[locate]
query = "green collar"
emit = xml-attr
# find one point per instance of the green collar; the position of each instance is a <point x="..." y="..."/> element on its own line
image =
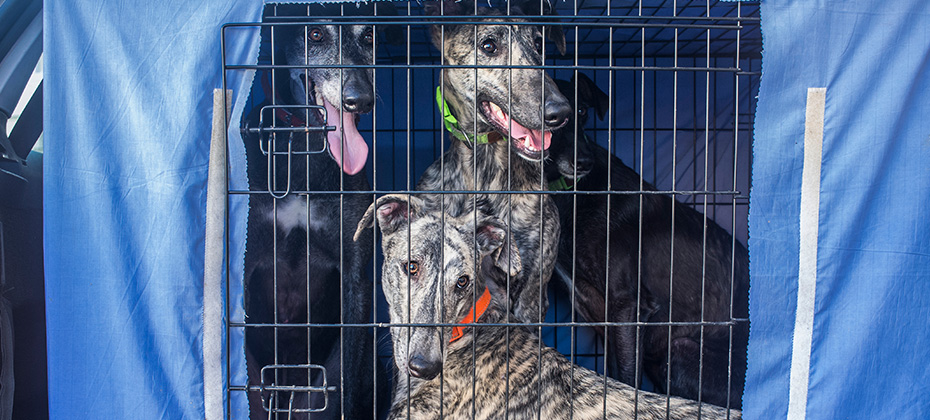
<point x="452" y="124"/>
<point x="560" y="184"/>
<point x="563" y="184"/>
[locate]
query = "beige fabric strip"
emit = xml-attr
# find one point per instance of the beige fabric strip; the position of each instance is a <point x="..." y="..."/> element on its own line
<point x="807" y="268"/>
<point x="213" y="279"/>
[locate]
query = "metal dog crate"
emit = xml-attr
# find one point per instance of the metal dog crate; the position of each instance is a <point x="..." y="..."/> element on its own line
<point x="682" y="78"/>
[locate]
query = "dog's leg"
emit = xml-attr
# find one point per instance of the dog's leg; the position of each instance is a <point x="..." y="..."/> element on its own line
<point x="346" y="369"/>
<point x="539" y="253"/>
<point x="319" y="400"/>
<point x="531" y="304"/>
<point x="358" y="359"/>
<point x="358" y="351"/>
<point x="622" y="347"/>
<point x="687" y="358"/>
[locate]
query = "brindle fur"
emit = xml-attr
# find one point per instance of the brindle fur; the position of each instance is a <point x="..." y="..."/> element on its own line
<point x="497" y="166"/>
<point x="492" y="371"/>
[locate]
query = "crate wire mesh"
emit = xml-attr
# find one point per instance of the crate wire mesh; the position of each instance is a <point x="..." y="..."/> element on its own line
<point x="681" y="78"/>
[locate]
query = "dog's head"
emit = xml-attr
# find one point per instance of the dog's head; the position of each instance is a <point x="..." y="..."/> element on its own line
<point x="432" y="273"/>
<point x="522" y="104"/>
<point x="571" y="155"/>
<point x="344" y="93"/>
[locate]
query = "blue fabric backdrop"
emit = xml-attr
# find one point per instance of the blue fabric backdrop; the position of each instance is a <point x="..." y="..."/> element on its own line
<point x="870" y="337"/>
<point x="127" y="114"/>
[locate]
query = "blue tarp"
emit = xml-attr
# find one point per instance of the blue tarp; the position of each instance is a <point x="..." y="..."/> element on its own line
<point x="128" y="116"/>
<point x="872" y="303"/>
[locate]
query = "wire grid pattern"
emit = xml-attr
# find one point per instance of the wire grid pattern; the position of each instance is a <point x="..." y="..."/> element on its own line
<point x="703" y="57"/>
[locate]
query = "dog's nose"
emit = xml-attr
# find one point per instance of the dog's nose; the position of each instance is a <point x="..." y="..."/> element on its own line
<point x="357" y="100"/>
<point x="421" y="368"/>
<point x="556" y="112"/>
<point x="584" y="163"/>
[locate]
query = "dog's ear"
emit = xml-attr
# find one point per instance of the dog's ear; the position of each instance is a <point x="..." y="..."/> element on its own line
<point x="532" y="8"/>
<point x="393" y="34"/>
<point x="445" y="8"/>
<point x="553" y="33"/>
<point x="492" y="239"/>
<point x="592" y="94"/>
<point x="508" y="258"/>
<point x="448" y="7"/>
<point x="556" y="35"/>
<point x="489" y="235"/>
<point x="393" y="211"/>
<point x="431" y="8"/>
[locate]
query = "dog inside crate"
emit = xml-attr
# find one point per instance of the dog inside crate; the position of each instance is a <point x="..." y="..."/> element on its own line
<point x="547" y="170"/>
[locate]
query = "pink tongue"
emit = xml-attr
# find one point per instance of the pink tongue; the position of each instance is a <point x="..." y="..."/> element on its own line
<point x="539" y="139"/>
<point x="352" y="157"/>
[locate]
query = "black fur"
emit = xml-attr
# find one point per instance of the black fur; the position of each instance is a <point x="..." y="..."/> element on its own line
<point x="310" y="236"/>
<point x="640" y="283"/>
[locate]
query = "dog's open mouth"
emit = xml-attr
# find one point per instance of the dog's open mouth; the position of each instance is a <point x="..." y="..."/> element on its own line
<point x="346" y="145"/>
<point x="531" y="144"/>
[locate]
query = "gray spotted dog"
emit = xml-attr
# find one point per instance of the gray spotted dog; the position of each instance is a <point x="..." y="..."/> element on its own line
<point x="501" y="120"/>
<point x="439" y="269"/>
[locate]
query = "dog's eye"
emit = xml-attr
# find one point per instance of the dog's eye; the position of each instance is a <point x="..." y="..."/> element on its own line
<point x="489" y="46"/>
<point x="412" y="268"/>
<point x="582" y="111"/>
<point x="369" y="37"/>
<point x="462" y="282"/>
<point x="315" y="34"/>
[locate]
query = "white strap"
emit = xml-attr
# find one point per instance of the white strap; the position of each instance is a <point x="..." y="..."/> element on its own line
<point x="807" y="267"/>
<point x="213" y="314"/>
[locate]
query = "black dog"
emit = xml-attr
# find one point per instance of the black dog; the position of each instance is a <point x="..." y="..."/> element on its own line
<point x="642" y="253"/>
<point x="302" y="265"/>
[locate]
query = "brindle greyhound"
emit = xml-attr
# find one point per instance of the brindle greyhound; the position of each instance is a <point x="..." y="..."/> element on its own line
<point x="513" y="112"/>
<point x="706" y="362"/>
<point x="435" y="268"/>
<point x="301" y="261"/>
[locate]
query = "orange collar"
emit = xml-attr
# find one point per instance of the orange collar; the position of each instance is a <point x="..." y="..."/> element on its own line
<point x="474" y="313"/>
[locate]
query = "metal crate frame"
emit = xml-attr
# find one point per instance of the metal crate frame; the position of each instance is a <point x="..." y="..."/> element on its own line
<point x="648" y="41"/>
